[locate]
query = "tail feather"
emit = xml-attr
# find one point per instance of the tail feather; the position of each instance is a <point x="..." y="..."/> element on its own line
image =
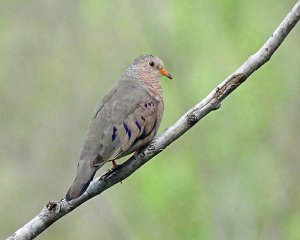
<point x="85" y="174"/>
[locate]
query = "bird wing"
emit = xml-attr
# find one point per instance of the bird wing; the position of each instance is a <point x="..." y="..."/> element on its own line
<point x="127" y="118"/>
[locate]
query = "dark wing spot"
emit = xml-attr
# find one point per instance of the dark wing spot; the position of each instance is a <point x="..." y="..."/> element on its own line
<point x="142" y="117"/>
<point x="129" y="134"/>
<point x="127" y="130"/>
<point x="138" y="125"/>
<point x="145" y="104"/>
<point x="144" y="135"/>
<point x="125" y="127"/>
<point x="114" y="135"/>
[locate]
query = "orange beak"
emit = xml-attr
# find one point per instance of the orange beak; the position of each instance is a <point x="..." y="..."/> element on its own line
<point x="165" y="73"/>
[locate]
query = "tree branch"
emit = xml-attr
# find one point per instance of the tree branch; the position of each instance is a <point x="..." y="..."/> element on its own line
<point x="55" y="210"/>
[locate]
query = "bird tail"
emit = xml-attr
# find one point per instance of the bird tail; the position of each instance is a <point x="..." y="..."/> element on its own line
<point x="85" y="174"/>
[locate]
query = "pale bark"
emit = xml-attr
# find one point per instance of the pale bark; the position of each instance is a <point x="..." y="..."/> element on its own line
<point x="55" y="210"/>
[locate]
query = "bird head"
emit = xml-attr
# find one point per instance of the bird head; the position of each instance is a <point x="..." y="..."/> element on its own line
<point x="148" y="65"/>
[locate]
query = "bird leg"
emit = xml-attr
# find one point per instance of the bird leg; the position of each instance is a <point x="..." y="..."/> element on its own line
<point x="138" y="152"/>
<point x="115" y="165"/>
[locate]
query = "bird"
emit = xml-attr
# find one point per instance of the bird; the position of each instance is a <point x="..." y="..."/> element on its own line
<point x="125" y="121"/>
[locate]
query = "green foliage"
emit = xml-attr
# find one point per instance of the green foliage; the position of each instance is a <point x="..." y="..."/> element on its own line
<point x="233" y="176"/>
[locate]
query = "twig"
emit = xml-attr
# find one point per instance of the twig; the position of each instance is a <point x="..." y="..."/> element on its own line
<point x="55" y="210"/>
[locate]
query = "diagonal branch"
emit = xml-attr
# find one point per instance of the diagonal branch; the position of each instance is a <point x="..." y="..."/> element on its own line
<point x="55" y="210"/>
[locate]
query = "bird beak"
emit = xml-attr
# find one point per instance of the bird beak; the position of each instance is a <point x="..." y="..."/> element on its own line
<point x="165" y="73"/>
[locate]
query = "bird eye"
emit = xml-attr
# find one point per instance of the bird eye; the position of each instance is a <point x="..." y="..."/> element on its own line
<point x="151" y="64"/>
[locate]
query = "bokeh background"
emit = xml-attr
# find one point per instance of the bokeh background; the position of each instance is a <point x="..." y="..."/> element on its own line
<point x="235" y="175"/>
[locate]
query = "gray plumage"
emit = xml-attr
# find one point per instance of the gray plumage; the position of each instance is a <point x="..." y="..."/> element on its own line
<point x="126" y="119"/>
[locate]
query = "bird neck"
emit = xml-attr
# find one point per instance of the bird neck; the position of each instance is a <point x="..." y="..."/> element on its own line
<point x="153" y="85"/>
<point x="151" y="82"/>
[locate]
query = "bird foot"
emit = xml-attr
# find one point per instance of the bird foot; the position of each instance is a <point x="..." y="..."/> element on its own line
<point x="140" y="152"/>
<point x="115" y="165"/>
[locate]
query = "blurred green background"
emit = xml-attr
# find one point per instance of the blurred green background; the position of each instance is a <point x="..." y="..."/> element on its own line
<point x="233" y="176"/>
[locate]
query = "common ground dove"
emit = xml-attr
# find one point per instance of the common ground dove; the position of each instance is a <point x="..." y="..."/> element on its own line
<point x="126" y="119"/>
